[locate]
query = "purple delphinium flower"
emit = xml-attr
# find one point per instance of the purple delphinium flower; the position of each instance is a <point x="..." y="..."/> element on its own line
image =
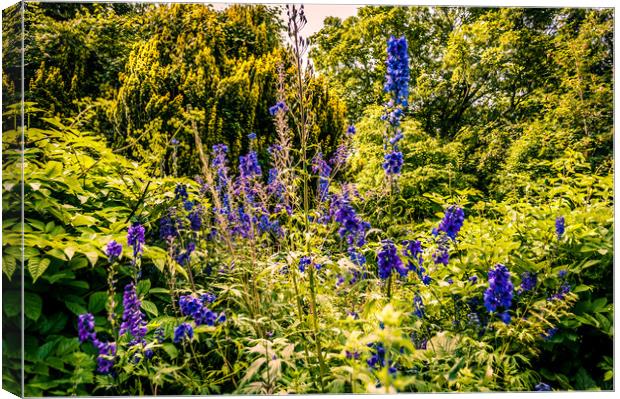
<point x="133" y="318"/>
<point x="280" y="106"/>
<point x="413" y="250"/>
<point x="351" y="130"/>
<point x="86" y="327"/>
<point x="564" y="289"/>
<point x="441" y="255"/>
<point x="324" y="170"/>
<point x="113" y="250"/>
<point x="388" y="260"/>
<point x="174" y="141"/>
<point x="197" y="309"/>
<point x="135" y="238"/>
<point x="184" y="256"/>
<point x="167" y="228"/>
<point x="182" y="332"/>
<point x="452" y="221"/>
<point x="303" y="263"/>
<point x="418" y="306"/>
<point x="249" y="166"/>
<point x="195" y="218"/>
<point x="562" y="273"/>
<point x="499" y="294"/>
<point x="105" y="359"/>
<point x="252" y="136"/>
<point x="528" y="281"/>
<point x="397" y="73"/>
<point x="180" y="192"/>
<point x="559" y="226"/>
<point x="541" y="386"/>
<point x="352" y="227"/>
<point x="393" y="163"/>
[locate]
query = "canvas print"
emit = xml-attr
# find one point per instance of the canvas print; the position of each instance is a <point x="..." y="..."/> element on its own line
<point x="206" y="199"/>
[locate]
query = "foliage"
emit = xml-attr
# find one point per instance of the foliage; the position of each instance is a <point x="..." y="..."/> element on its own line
<point x="295" y="261"/>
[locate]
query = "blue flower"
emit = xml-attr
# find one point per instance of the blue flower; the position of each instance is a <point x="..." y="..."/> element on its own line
<point x="182" y="332"/>
<point x="113" y="250"/>
<point x="351" y="130"/>
<point x="452" y="221"/>
<point x="419" y="306"/>
<point x="135" y="238"/>
<point x="133" y="318"/>
<point x="252" y="136"/>
<point x="105" y="358"/>
<point x="324" y="170"/>
<point x="249" y="166"/>
<point x="280" y="106"/>
<point x="195" y="218"/>
<point x="184" y="256"/>
<point x="393" y="163"/>
<point x="559" y="226"/>
<point x="397" y="74"/>
<point x="180" y="192"/>
<point x="174" y="141"/>
<point x="388" y="260"/>
<point x="499" y="294"/>
<point x="303" y="263"/>
<point x="86" y="327"/>
<point x="167" y="228"/>
<point x="528" y="281"/>
<point x="541" y="386"/>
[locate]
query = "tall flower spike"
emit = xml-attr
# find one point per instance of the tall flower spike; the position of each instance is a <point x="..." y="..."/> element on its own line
<point x="498" y="297"/>
<point x="86" y="327"/>
<point x="397" y="74"/>
<point x="135" y="238"/>
<point x="133" y="318"/>
<point x="452" y="221"/>
<point x="113" y="250"/>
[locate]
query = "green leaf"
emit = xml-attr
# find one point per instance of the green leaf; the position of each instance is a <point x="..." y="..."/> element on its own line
<point x="97" y="302"/>
<point x="9" y="265"/>
<point x="143" y="287"/>
<point x="92" y="257"/>
<point x="33" y="304"/>
<point x="171" y="350"/>
<point x="150" y="307"/>
<point x="37" y="266"/>
<point x="11" y="303"/>
<point x="83" y="220"/>
<point x="76" y="308"/>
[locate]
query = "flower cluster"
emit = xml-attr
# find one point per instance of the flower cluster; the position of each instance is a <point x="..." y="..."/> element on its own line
<point x="86" y="327"/>
<point x="135" y="238"/>
<point x="528" y="281"/>
<point x="303" y="263"/>
<point x="499" y="294"/>
<point x="183" y="331"/>
<point x="196" y="307"/>
<point x="397" y="74"/>
<point x="559" y="226"/>
<point x="249" y="166"/>
<point x="377" y="360"/>
<point x="452" y="221"/>
<point x="397" y="84"/>
<point x="183" y="257"/>
<point x="280" y="106"/>
<point x="393" y="162"/>
<point x="106" y="350"/>
<point x="321" y="167"/>
<point x="133" y="318"/>
<point x="113" y="250"/>
<point x="388" y="260"/>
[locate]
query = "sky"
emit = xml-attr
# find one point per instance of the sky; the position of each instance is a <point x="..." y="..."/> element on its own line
<point x="315" y="13"/>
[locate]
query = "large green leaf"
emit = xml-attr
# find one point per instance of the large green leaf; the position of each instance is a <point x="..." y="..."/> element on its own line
<point x="37" y="266"/>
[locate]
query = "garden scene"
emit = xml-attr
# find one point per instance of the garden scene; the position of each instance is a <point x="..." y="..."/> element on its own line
<point x="409" y="199"/>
